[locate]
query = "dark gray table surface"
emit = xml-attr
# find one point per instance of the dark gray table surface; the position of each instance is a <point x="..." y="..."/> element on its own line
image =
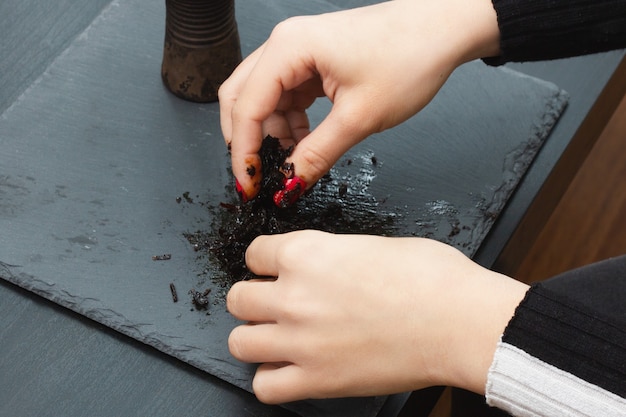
<point x="56" y="362"/>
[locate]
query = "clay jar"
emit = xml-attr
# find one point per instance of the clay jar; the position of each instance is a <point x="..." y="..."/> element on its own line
<point x="201" y="47"/>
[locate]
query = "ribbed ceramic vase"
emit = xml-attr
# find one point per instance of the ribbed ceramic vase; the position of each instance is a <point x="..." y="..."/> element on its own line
<point x="201" y="47"/>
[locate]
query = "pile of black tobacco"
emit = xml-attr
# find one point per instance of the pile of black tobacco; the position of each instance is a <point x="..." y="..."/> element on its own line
<point x="331" y="207"/>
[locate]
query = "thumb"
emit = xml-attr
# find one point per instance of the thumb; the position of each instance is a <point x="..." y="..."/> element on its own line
<point x="316" y="154"/>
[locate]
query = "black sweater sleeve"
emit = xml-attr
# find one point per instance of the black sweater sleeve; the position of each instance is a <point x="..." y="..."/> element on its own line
<point x="576" y="339"/>
<point x="558" y="357"/>
<point x="534" y="30"/>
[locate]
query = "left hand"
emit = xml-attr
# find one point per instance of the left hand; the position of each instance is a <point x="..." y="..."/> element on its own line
<point x="356" y="315"/>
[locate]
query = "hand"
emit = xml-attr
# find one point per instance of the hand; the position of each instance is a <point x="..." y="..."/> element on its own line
<point x="355" y="315"/>
<point x="378" y="65"/>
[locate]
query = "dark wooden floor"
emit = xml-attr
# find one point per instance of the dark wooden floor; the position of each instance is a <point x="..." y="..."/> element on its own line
<point x="589" y="223"/>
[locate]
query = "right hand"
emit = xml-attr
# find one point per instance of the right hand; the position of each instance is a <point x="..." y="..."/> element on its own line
<point x="378" y="65"/>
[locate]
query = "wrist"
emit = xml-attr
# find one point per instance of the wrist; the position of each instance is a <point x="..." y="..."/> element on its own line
<point x="457" y="31"/>
<point x="475" y="25"/>
<point x="486" y="304"/>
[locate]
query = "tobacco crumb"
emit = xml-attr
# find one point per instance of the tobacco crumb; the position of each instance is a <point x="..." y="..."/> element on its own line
<point x="287" y="169"/>
<point x="187" y="198"/>
<point x="199" y="299"/>
<point x="343" y="189"/>
<point x="174" y="293"/>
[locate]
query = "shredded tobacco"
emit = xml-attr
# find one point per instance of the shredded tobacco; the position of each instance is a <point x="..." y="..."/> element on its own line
<point x="331" y="207"/>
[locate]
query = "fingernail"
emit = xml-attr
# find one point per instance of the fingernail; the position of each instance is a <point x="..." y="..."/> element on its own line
<point x="240" y="191"/>
<point x="293" y="188"/>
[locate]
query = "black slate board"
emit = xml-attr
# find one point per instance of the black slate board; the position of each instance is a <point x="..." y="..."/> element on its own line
<point x="95" y="152"/>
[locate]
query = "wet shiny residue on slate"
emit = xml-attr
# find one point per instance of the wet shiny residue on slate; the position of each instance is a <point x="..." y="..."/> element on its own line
<point x="338" y="203"/>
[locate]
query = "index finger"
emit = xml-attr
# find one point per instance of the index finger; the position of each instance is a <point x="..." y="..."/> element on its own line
<point x="247" y="165"/>
<point x="230" y="89"/>
<point x="258" y="86"/>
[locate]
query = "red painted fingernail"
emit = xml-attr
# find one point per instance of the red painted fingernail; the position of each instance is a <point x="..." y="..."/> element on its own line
<point x="293" y="188"/>
<point x="240" y="191"/>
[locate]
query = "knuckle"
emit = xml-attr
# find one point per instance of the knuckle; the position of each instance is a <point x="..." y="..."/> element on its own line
<point x="290" y="310"/>
<point x="239" y="343"/>
<point x="224" y="91"/>
<point x="295" y="248"/>
<point x="239" y="111"/>
<point x="287" y="28"/>
<point x="315" y="162"/>
<point x="235" y="344"/>
<point x="262" y="392"/>
<point x="232" y="299"/>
